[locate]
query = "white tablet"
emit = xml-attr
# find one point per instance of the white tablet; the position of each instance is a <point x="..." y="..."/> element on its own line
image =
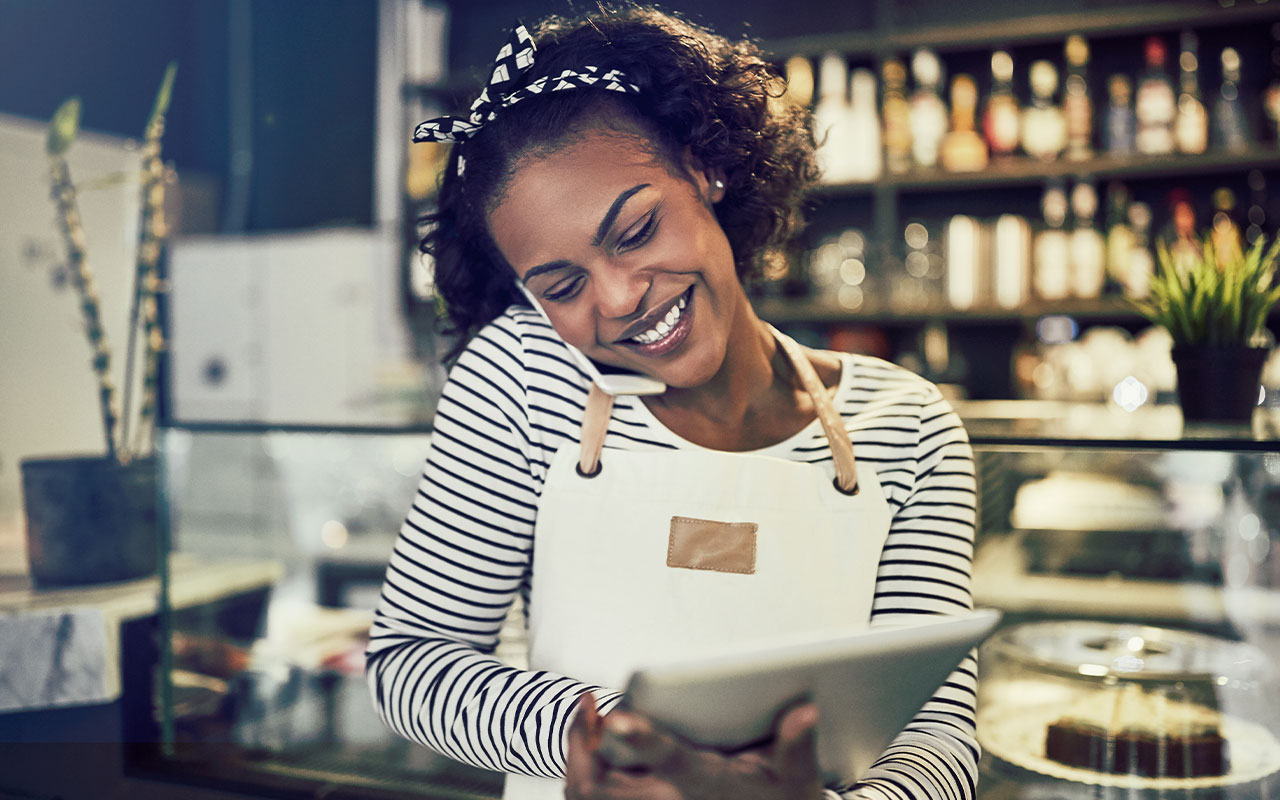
<point x="868" y="684"/>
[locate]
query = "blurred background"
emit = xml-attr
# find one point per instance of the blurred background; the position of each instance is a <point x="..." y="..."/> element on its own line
<point x="998" y="178"/>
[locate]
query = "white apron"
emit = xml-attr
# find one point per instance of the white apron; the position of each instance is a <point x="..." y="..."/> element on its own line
<point x="653" y="557"/>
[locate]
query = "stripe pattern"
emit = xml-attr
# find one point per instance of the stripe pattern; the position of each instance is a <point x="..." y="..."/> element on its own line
<point x="463" y="556"/>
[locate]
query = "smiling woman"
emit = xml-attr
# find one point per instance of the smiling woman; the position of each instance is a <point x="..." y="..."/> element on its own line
<point x="624" y="173"/>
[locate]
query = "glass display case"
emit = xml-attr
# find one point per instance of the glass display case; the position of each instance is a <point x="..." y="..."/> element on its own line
<point x="1088" y="515"/>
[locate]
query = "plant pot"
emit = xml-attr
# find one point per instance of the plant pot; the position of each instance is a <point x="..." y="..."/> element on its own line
<point x="1218" y="384"/>
<point x="89" y="520"/>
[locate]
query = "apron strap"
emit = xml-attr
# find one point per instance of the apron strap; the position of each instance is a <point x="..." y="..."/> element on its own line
<point x="832" y="423"/>
<point x="595" y="424"/>
<point x="595" y="420"/>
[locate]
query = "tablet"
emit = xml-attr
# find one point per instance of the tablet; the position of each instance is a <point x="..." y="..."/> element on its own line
<point x="868" y="684"/>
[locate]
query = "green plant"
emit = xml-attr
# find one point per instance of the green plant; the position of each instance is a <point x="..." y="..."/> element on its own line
<point x="1217" y="297"/>
<point x="64" y="127"/>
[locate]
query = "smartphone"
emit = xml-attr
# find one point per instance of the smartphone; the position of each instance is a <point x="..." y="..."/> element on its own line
<point x="613" y="380"/>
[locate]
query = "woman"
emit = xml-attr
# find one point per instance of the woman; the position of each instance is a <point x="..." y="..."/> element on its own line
<point x="627" y="171"/>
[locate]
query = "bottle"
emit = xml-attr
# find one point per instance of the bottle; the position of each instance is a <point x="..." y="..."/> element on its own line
<point x="964" y="250"/>
<point x="1227" y="241"/>
<point x="1012" y="261"/>
<point x="928" y="112"/>
<point x="1044" y="128"/>
<point x="1120" y="116"/>
<point x="1180" y="235"/>
<point x="963" y="149"/>
<point x="1156" y="106"/>
<point x="1075" y="101"/>
<point x="866" y="159"/>
<point x="1137" y="279"/>
<point x="1088" y="251"/>
<point x="1230" y="126"/>
<point x="799" y="74"/>
<point x="1119" y="234"/>
<point x="1052" y="268"/>
<point x="1271" y="97"/>
<point x="1000" y="119"/>
<point x="1191" y="125"/>
<point x="897" y="117"/>
<point x="831" y="119"/>
<point x="1257" y="215"/>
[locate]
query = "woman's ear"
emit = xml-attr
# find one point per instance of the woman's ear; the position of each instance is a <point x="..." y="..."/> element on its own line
<point x="709" y="182"/>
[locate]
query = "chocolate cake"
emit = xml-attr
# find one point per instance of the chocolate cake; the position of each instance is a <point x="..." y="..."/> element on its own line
<point x="1129" y="731"/>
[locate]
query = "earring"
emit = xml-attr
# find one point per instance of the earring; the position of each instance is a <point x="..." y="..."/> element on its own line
<point x="719" y="184"/>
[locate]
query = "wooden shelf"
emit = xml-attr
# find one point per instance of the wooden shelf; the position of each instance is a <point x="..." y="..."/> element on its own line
<point x="1022" y="171"/>
<point x="823" y="312"/>
<point x="1034" y="29"/>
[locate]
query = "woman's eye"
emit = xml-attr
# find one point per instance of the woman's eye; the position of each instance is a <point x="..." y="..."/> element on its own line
<point x="641" y="236"/>
<point x="564" y="290"/>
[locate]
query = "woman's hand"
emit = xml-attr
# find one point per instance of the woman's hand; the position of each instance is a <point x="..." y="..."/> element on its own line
<point x="626" y="756"/>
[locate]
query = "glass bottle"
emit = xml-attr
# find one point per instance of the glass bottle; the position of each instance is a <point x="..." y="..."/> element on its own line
<point x="1088" y="251"/>
<point x="1137" y="279"/>
<point x="1119" y="234"/>
<point x="1271" y="96"/>
<point x="1000" y="119"/>
<point x="1257" y="215"/>
<point x="831" y="118"/>
<point x="1229" y="122"/>
<point x="1227" y="241"/>
<point x="866" y="160"/>
<point x="1191" y="126"/>
<point x="928" y="112"/>
<point x="1075" y="101"/>
<point x="1155" y="103"/>
<point x="1120" y="116"/>
<point x="963" y="150"/>
<point x="1180" y="235"/>
<point x="897" y="117"/>
<point x="1051" y="274"/>
<point x="1044" y="127"/>
<point x="1011" y="260"/>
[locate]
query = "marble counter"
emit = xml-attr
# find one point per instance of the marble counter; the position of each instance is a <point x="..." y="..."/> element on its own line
<point x="61" y="647"/>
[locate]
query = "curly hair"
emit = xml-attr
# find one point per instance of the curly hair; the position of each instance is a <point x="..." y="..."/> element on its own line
<point x="697" y="90"/>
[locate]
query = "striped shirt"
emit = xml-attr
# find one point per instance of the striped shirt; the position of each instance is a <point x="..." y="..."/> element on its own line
<point x="463" y="556"/>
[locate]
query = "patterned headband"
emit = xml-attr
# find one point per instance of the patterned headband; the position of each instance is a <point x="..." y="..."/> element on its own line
<point x="503" y="90"/>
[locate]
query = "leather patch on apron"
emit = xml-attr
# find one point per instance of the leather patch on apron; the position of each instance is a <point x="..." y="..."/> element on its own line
<point x="710" y="545"/>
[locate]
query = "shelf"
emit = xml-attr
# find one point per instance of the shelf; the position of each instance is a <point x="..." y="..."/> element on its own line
<point x="784" y="312"/>
<point x="1034" y="29"/>
<point x="1022" y="171"/>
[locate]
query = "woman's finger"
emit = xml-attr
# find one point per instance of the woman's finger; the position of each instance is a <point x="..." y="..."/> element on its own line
<point x="580" y="761"/>
<point x="795" y="751"/>
<point x="633" y="743"/>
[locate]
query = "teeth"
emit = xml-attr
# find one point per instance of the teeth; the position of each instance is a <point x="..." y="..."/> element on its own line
<point x="664" y="326"/>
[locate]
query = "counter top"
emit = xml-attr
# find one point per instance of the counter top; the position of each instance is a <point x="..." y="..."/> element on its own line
<point x="62" y="646"/>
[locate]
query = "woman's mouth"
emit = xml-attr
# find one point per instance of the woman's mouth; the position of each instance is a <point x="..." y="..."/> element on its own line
<point x="668" y="332"/>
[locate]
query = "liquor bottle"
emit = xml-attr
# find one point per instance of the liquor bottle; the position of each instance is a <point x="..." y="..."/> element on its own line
<point x="1156" y="105"/>
<point x="1075" y="101"/>
<point x="1227" y="241"/>
<point x="1191" y="125"/>
<point x="928" y="112"/>
<point x="1052" y="269"/>
<point x="831" y="119"/>
<point x="1012" y="261"/>
<point x="1044" y="127"/>
<point x="1000" y="120"/>
<point x="865" y="158"/>
<point x="963" y="149"/>
<point x="897" y="117"/>
<point x="1271" y="97"/>
<point x="1229" y="124"/>
<point x="1120" y="116"/>
<point x="1180" y="235"/>
<point x="1088" y="251"/>
<point x="799" y="74"/>
<point x="1257" y="215"/>
<point x="1137" y="279"/>
<point x="964" y="244"/>
<point x="1119" y="234"/>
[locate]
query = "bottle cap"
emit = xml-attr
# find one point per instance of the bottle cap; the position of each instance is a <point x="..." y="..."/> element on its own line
<point x="1044" y="78"/>
<point x="1077" y="50"/>
<point x="1002" y="66"/>
<point x="926" y="68"/>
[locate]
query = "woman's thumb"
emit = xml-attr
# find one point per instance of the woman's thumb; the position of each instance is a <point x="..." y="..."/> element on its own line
<point x="795" y="748"/>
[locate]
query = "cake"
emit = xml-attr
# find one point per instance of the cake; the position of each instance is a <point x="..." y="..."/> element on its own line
<point x="1130" y="731"/>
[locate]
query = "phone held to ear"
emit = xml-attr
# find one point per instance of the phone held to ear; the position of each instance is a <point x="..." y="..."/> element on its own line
<point x="612" y="380"/>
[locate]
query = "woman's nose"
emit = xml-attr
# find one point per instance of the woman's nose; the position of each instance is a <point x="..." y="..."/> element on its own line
<point x="620" y="293"/>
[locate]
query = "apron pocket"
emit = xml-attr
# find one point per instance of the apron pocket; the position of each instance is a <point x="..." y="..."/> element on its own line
<point x="710" y="545"/>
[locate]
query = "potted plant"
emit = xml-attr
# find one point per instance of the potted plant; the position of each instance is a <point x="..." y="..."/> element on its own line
<point x="1215" y="301"/>
<point x="92" y="519"/>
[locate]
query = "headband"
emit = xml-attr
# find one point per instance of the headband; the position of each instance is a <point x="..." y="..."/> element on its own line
<point x="510" y="68"/>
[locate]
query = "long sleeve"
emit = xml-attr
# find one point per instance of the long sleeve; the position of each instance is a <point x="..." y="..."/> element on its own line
<point x="461" y="558"/>
<point x="926" y="569"/>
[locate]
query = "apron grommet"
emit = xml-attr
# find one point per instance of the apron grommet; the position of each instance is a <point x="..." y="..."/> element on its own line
<point x="836" y="483"/>
<point x="578" y="468"/>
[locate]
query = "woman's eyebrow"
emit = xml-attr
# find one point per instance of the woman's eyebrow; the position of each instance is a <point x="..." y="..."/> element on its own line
<point x="612" y="214"/>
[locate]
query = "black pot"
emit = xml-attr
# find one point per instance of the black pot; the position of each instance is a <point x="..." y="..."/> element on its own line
<point x="89" y="520"/>
<point x="1218" y="384"/>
